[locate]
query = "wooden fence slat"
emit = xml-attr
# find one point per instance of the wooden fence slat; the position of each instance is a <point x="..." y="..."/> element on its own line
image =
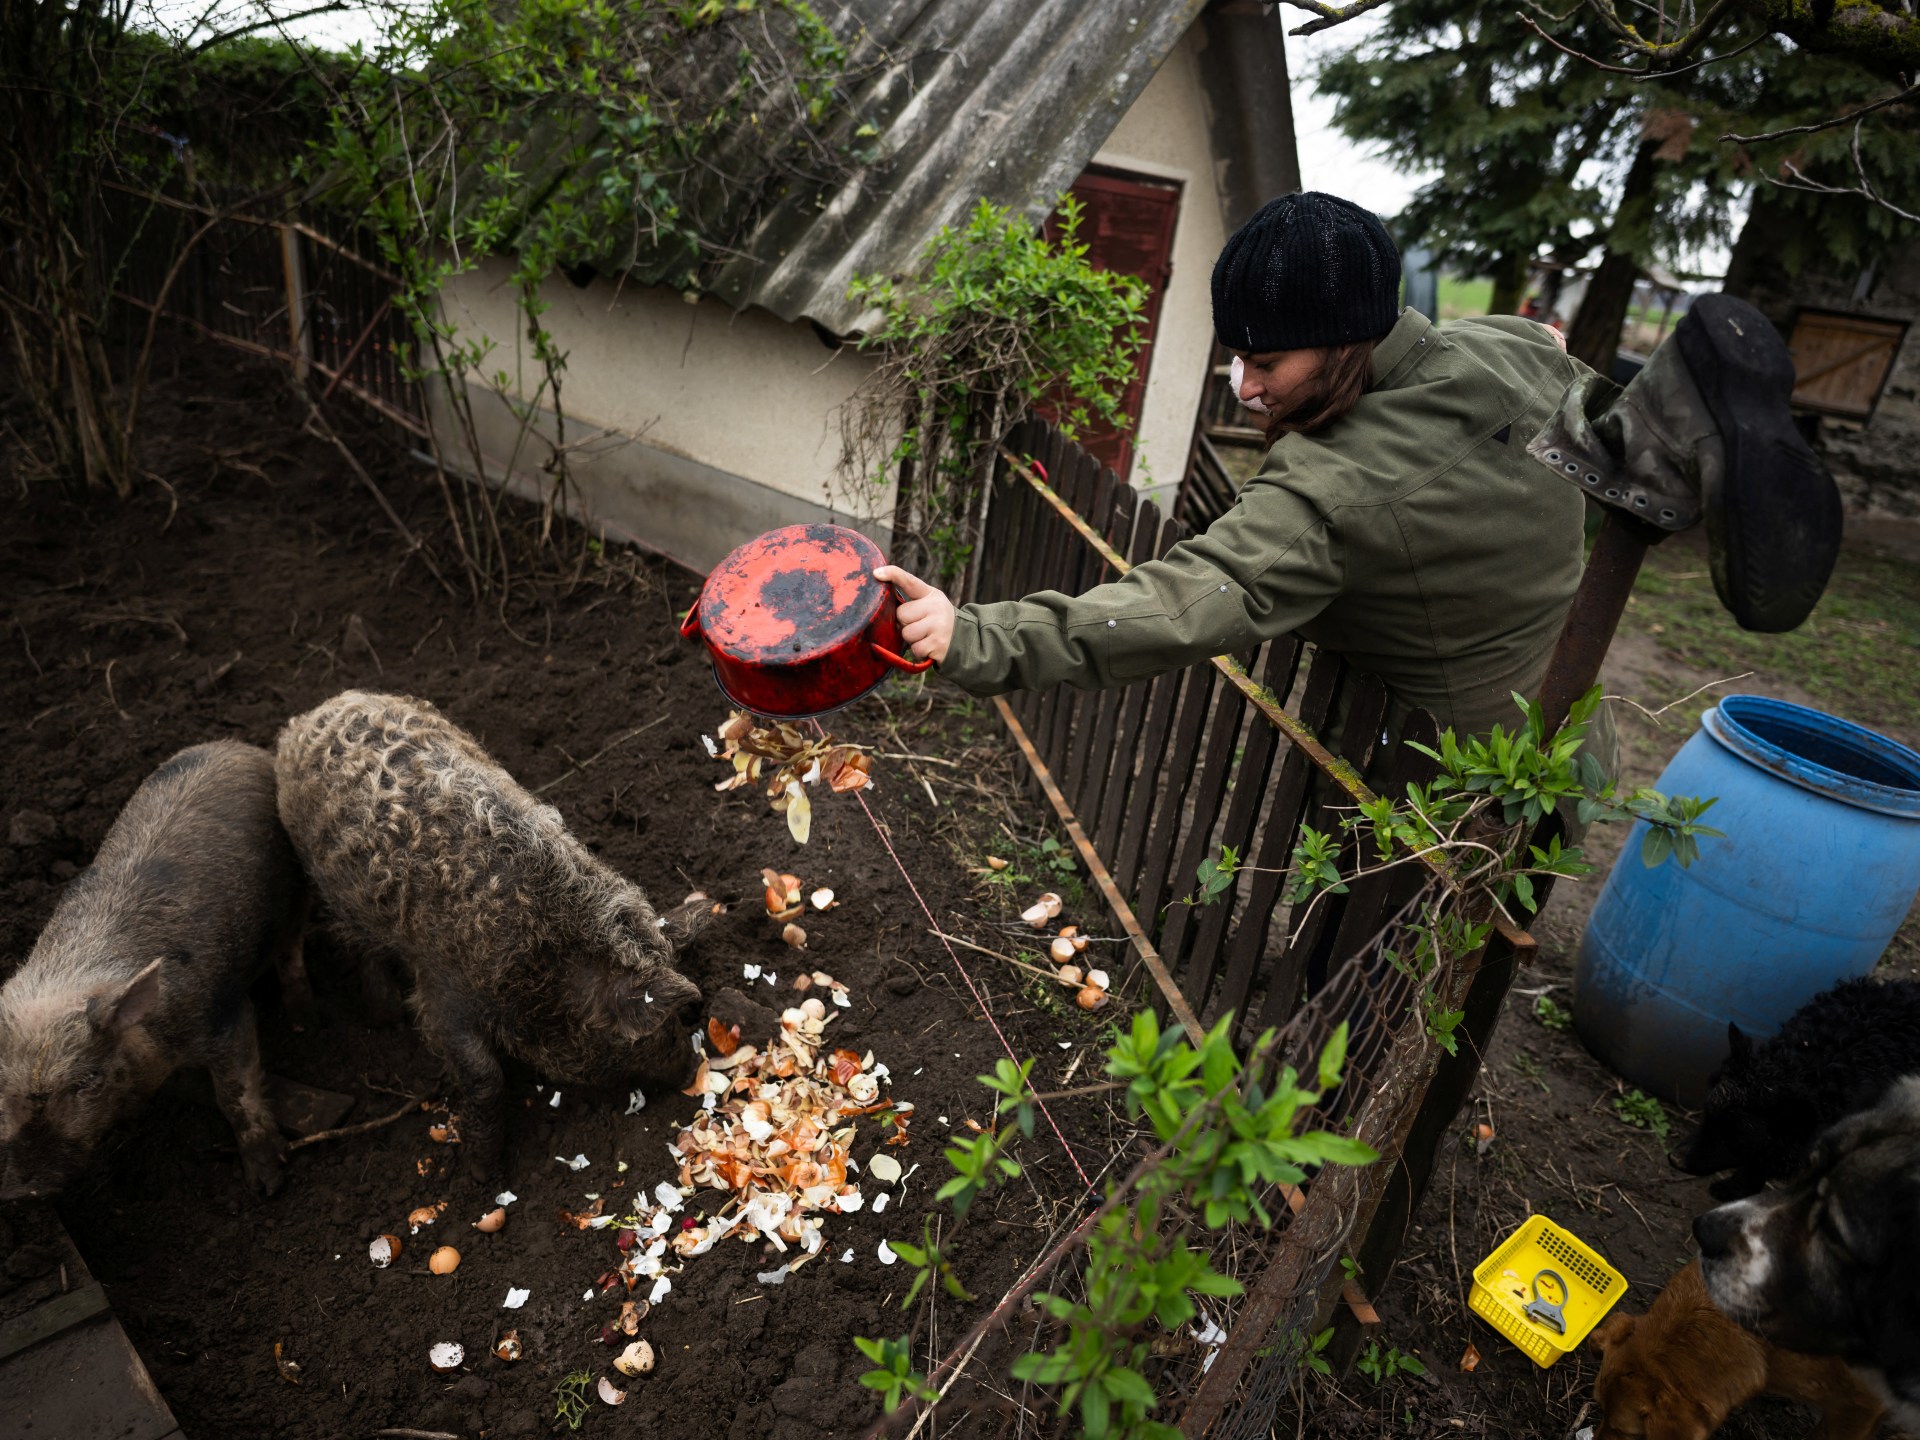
<point x="1120" y="791"/>
<point x="1056" y="706"/>
<point x="1086" y="796"/>
<point x="1164" y="695"/>
<point x="1210" y="792"/>
<point x="1366" y="702"/>
<point x="1375" y="897"/>
<point x="1248" y="947"/>
<point x="1250" y="793"/>
<point x="1079" y="707"/>
<point x="1182" y="757"/>
<point x="1046" y="554"/>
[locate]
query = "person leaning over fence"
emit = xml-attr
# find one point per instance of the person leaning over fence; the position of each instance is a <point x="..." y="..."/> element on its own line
<point x="1397" y="519"/>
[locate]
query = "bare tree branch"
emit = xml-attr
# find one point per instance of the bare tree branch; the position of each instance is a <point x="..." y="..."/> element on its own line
<point x="1910" y="93"/>
<point x="1330" y="15"/>
<point x="270" y="22"/>
<point x="1864" y="189"/>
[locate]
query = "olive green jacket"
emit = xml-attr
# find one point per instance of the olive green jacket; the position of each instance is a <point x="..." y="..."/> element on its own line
<point x="1415" y="535"/>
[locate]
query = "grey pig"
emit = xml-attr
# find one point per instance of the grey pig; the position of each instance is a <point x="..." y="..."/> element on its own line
<point x="515" y="938"/>
<point x="145" y="969"/>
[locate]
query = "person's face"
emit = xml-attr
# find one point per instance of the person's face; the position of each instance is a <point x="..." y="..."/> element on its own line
<point x="1279" y="379"/>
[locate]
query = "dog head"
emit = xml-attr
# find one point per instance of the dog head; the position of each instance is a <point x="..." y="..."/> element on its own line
<point x="1829" y="1264"/>
<point x="1749" y="1128"/>
<point x="1676" y="1372"/>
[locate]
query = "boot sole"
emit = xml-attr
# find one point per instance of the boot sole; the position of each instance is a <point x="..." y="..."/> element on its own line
<point x="1780" y="518"/>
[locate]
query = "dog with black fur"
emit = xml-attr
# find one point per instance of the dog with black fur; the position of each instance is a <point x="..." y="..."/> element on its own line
<point x="1830" y="1264"/>
<point x="1835" y="1055"/>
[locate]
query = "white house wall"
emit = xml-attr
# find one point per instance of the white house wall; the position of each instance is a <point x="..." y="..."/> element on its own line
<point x="723" y="423"/>
<point x="1164" y="134"/>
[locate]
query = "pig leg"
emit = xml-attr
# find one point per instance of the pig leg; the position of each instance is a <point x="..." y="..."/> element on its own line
<point x="240" y="1090"/>
<point x="379" y="990"/>
<point x="450" y="1021"/>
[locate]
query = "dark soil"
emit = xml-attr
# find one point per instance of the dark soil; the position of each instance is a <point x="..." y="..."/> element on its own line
<point x="258" y="581"/>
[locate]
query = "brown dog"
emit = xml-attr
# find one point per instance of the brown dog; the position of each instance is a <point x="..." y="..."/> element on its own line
<point x="1678" y="1371"/>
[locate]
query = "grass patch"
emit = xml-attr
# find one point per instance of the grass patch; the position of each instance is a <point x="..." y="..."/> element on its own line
<point x="1854" y="655"/>
<point x="1461" y="297"/>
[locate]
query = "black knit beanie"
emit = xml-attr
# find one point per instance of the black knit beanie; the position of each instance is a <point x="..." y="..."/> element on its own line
<point x="1309" y="269"/>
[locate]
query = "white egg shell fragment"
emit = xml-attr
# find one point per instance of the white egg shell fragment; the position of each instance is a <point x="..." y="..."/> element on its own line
<point x="447" y="1355"/>
<point x="636" y="1359"/>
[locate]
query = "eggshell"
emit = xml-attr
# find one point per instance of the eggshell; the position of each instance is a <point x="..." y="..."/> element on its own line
<point x="1091" y="998"/>
<point x="383" y="1250"/>
<point x="636" y="1359"/>
<point x="447" y="1355"/>
<point x="444" y="1261"/>
<point x="488" y="1223"/>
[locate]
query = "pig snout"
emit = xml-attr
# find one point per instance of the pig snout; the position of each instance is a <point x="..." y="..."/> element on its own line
<point x="34" y="1167"/>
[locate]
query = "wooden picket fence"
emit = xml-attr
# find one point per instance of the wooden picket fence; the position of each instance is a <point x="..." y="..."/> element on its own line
<point x="1152" y="779"/>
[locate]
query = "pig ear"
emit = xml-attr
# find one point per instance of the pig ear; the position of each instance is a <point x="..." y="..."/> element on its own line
<point x="116" y="1012"/>
<point x="687" y="919"/>
<point x="641" y="1007"/>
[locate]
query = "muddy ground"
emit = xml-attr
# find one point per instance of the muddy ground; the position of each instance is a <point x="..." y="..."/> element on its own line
<point x="260" y="580"/>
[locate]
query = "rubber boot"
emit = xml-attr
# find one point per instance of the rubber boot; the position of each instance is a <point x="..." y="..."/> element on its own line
<point x="1706" y="432"/>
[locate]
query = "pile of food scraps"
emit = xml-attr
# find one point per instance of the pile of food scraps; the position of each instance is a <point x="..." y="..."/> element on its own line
<point x="775" y="1134"/>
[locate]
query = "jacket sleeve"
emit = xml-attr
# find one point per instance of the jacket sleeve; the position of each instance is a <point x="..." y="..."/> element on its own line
<point x="1267" y="566"/>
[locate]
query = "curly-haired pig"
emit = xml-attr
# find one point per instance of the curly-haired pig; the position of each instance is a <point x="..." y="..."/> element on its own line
<point x="145" y="969"/>
<point x="516" y="939"/>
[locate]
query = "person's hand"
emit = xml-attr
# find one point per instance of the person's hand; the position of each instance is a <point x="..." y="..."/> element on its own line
<point x="926" y="614"/>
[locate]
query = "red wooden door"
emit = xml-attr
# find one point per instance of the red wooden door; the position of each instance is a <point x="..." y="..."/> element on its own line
<point x="1126" y="223"/>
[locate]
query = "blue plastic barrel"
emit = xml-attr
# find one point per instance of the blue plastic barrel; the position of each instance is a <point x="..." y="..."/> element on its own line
<point x="1819" y="866"/>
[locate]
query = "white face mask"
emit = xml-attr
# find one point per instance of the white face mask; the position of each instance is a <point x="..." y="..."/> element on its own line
<point x="1238" y="374"/>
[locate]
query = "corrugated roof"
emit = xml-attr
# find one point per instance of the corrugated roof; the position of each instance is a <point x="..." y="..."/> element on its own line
<point x="1005" y="100"/>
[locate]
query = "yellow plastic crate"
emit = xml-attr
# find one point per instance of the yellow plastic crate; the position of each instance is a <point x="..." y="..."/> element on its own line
<point x="1502" y="1286"/>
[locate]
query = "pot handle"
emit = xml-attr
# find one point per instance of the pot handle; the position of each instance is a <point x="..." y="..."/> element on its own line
<point x="690" y="626"/>
<point x="900" y="662"/>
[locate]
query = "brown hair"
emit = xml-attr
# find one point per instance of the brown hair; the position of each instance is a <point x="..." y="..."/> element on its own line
<point x="1344" y="377"/>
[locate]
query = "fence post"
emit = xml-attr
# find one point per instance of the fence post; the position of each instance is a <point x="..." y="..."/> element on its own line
<point x="301" y="341"/>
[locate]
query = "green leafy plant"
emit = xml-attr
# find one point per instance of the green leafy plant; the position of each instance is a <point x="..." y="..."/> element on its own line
<point x="1384" y="1365"/>
<point x="570" y="1399"/>
<point x="1313" y="1355"/>
<point x="1477" y="813"/>
<point x="1643" y="1112"/>
<point x="999" y="317"/>
<point x="1554" y="1017"/>
<point x="1226" y="1130"/>
<point x="893" y="1374"/>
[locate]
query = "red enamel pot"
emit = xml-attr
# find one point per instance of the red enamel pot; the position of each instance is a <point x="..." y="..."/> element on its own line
<point x="796" y="625"/>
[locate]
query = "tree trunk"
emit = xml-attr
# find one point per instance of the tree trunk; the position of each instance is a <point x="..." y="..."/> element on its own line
<point x="1509" y="283"/>
<point x="1594" y="335"/>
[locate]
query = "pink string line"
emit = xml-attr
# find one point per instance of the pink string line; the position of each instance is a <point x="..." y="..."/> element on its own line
<point x="978" y="998"/>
